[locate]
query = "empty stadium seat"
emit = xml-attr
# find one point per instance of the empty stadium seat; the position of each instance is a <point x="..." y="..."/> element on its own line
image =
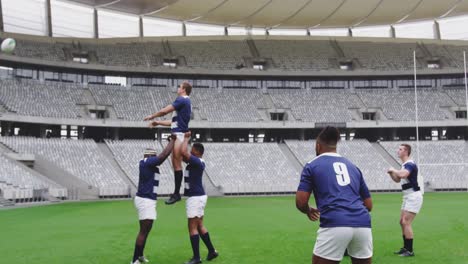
<point x="15" y="178"/>
<point x="49" y="99"/>
<point x="317" y="105"/>
<point x="214" y="54"/>
<point x="250" y="168"/>
<point x="302" y="55"/>
<point x="82" y="159"/>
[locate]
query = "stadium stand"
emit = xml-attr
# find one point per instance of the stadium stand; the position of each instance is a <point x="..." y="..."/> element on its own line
<point x="317" y="105"/>
<point x="132" y="104"/>
<point x="360" y="152"/>
<point x="229" y="105"/>
<point x="394" y="103"/>
<point x="380" y="56"/>
<point x="33" y="98"/>
<point x="226" y="167"/>
<point x="16" y="181"/>
<point x="456" y="52"/>
<point x="300" y="55"/>
<point x="82" y="159"/>
<point x="128" y="154"/>
<point x="447" y="171"/>
<point x="238" y="168"/>
<point x="250" y="168"/>
<point x="214" y="54"/>
<point x="133" y="54"/>
<point x="457" y="95"/>
<point x="445" y="54"/>
<point x="50" y="51"/>
<point x="66" y="100"/>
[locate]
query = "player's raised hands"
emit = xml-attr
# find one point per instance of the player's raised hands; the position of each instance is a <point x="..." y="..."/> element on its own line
<point x="188" y="134"/>
<point x="147" y="118"/>
<point x="153" y="124"/>
<point x="390" y="170"/>
<point x="313" y="214"/>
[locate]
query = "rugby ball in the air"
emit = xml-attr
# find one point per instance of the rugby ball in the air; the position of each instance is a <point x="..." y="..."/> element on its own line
<point x="8" y="45"/>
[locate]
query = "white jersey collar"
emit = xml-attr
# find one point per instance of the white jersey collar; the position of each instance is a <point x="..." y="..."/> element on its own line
<point x="408" y="161"/>
<point x="329" y="154"/>
<point x="332" y="154"/>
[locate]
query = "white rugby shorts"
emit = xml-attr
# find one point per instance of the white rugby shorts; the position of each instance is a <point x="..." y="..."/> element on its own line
<point x="332" y="242"/>
<point x="180" y="136"/>
<point x="412" y="202"/>
<point x="195" y="206"/>
<point x="146" y="208"/>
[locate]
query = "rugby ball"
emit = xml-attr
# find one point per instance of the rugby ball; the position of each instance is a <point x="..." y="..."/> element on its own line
<point x="8" y="45"/>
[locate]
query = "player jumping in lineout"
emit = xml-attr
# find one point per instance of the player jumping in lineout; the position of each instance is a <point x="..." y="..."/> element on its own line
<point x="182" y="110"/>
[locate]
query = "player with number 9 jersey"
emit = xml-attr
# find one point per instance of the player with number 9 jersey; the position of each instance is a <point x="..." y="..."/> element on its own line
<point x="339" y="190"/>
<point x="343" y="203"/>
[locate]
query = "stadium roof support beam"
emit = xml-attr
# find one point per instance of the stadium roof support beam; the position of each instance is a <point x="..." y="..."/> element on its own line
<point x="140" y="26"/>
<point x="350" y="32"/>
<point x="48" y="10"/>
<point x="378" y="4"/>
<point x="255" y="12"/>
<point x="184" y="29"/>
<point x="96" y="25"/>
<point x="1" y="17"/>
<point x="436" y="29"/>
<point x="392" y="32"/>
<point x="408" y="14"/>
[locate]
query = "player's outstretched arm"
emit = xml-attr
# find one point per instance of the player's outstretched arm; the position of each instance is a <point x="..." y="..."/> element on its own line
<point x="168" y="149"/>
<point x="184" y="151"/>
<point x="156" y="123"/>
<point x="166" y="110"/>
<point x="302" y="204"/>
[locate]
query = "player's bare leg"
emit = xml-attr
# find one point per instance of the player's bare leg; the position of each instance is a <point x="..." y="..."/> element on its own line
<point x="176" y="159"/>
<point x="205" y="236"/>
<point x="177" y="155"/>
<point x="405" y="222"/>
<point x="402" y="249"/>
<point x="401" y="217"/>
<point x="319" y="260"/>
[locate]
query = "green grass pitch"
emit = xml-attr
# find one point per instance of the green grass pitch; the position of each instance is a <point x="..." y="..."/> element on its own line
<point x="243" y="229"/>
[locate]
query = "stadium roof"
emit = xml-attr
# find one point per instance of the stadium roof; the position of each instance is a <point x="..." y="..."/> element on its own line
<point x="288" y="13"/>
<point x="420" y="19"/>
